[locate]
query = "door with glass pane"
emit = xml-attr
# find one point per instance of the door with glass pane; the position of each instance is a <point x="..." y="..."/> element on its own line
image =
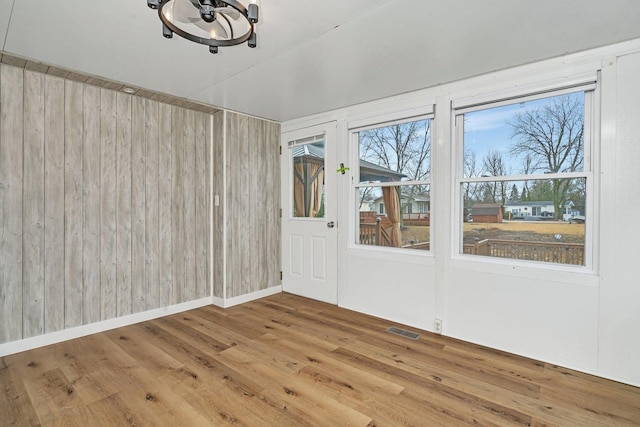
<point x="309" y="226"/>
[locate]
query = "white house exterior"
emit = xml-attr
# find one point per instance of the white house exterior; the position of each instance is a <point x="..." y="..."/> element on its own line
<point x="418" y="205"/>
<point x="538" y="209"/>
<point x="529" y="208"/>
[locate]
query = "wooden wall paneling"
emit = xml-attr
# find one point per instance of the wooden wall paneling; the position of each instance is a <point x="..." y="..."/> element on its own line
<point x="271" y="211"/>
<point x="33" y="206"/>
<point x="271" y="190"/>
<point x="152" y="229"/>
<point x="104" y="204"/>
<point x="218" y="211"/>
<point x="273" y="217"/>
<point x="108" y="204"/>
<point x="73" y="184"/>
<point x="256" y="192"/>
<point x="273" y="205"/>
<point x="233" y="193"/>
<point x="207" y="217"/>
<point x="246" y="214"/>
<point x="189" y="204"/>
<point x="91" y="204"/>
<point x="138" y="168"/>
<point x="277" y="250"/>
<point x="164" y="206"/>
<point x="4" y="284"/>
<point x="177" y="209"/>
<point x="11" y="158"/>
<point x="123" y="209"/>
<point x="201" y="211"/>
<point x="54" y="204"/>
<point x="253" y="201"/>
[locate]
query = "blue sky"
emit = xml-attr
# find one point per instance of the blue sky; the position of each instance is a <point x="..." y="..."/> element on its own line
<point x="487" y="130"/>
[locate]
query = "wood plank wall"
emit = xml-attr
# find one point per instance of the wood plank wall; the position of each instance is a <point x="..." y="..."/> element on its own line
<point x="218" y="209"/>
<point x="104" y="204"/>
<point x="252" y="219"/>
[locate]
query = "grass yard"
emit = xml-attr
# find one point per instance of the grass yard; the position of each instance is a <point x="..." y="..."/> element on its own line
<point x="533" y="231"/>
<point x="544" y="227"/>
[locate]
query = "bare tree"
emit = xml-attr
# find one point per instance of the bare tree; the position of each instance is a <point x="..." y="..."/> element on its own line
<point x="493" y="165"/>
<point x="552" y="136"/>
<point x="403" y="148"/>
<point x="471" y="169"/>
<point x="528" y="167"/>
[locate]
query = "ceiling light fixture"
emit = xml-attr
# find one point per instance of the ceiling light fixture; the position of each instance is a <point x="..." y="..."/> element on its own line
<point x="215" y="23"/>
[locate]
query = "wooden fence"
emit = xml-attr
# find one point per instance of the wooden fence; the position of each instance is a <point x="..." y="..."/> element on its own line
<point x="560" y="253"/>
<point x="374" y="234"/>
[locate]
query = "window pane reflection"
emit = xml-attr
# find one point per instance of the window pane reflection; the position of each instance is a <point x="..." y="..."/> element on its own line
<point x="308" y="178"/>
<point x="397" y="216"/>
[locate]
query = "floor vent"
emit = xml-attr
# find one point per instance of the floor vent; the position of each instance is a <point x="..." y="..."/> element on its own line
<point x="403" y="333"/>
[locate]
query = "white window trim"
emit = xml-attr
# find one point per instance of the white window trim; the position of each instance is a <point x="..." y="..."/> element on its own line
<point x="402" y="116"/>
<point x="354" y="128"/>
<point x="590" y="173"/>
<point x="531" y="91"/>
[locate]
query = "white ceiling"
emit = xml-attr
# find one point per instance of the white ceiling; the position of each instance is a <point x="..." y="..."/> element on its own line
<point x="312" y="55"/>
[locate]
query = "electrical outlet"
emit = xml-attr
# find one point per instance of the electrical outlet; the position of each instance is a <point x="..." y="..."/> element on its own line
<point x="437" y="326"/>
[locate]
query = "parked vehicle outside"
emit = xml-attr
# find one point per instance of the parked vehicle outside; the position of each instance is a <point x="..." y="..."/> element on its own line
<point x="577" y="219"/>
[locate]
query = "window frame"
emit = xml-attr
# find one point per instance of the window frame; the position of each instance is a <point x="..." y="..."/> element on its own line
<point x="591" y="90"/>
<point x="354" y="129"/>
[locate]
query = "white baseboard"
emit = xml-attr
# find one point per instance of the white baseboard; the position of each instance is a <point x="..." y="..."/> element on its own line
<point x="230" y="302"/>
<point x="80" y="331"/>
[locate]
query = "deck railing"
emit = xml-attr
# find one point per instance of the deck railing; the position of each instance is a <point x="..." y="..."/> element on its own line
<point x="555" y="252"/>
<point x="560" y="253"/>
<point x="374" y="234"/>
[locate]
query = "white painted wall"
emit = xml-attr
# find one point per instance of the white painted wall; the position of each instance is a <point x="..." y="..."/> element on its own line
<point x="582" y="318"/>
<point x="400" y="287"/>
<point x="619" y="299"/>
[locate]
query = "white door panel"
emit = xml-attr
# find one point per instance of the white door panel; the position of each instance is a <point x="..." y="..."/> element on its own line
<point x="309" y="250"/>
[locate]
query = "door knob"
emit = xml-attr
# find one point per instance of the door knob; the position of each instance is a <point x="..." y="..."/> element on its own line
<point x="331" y="224"/>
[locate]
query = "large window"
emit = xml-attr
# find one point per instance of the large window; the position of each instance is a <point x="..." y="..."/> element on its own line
<point x="525" y="177"/>
<point x="392" y="195"/>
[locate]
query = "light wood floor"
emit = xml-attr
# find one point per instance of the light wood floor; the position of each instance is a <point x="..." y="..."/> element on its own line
<point x="287" y="361"/>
